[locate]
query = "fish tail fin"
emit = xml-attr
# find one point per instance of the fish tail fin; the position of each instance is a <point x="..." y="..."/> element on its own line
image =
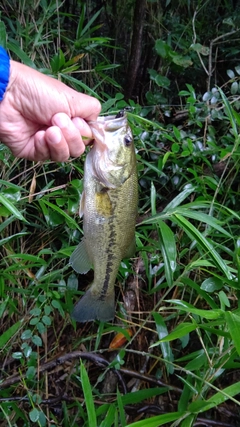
<point x="93" y="307"/>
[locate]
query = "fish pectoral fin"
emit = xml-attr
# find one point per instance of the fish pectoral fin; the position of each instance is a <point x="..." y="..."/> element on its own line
<point x="92" y="307"/>
<point x="79" y="260"/>
<point x="129" y="253"/>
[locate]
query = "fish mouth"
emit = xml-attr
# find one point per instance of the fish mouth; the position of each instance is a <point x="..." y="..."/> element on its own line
<point x="107" y="123"/>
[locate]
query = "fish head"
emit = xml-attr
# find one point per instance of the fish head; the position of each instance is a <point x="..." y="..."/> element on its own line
<point x="113" y="153"/>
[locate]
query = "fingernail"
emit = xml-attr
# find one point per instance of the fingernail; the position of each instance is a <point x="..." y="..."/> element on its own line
<point x="61" y="120"/>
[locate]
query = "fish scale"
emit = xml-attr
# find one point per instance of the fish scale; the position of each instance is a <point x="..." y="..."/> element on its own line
<point x="109" y="208"/>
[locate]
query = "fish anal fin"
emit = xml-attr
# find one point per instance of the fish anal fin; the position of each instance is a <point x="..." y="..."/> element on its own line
<point x="79" y="260"/>
<point x="92" y="307"/>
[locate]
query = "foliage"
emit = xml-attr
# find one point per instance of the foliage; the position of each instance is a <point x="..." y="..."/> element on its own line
<point x="177" y="353"/>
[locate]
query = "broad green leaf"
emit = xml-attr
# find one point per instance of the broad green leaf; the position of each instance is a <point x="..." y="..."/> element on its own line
<point x="229" y="109"/>
<point x="14" y="236"/>
<point x="167" y="266"/>
<point x="196" y="363"/>
<point x="202" y="293"/>
<point x="179" y="332"/>
<point x="188" y="422"/>
<point x="168" y="240"/>
<point x="162" y="48"/>
<point x="215" y="400"/>
<point x="141" y="395"/>
<point x="189" y="308"/>
<point x="189" y="189"/>
<point x="230" y="74"/>
<point x="233" y="322"/>
<point x="37" y="340"/>
<point x="165" y="346"/>
<point x="9" y="333"/>
<point x="109" y="418"/>
<point x="121" y="408"/>
<point x="88" y="397"/>
<point x="15" y="48"/>
<point x="202" y="217"/>
<point x="3" y="35"/>
<point x="60" y="211"/>
<point x="10" y="206"/>
<point x="203" y="242"/>
<point x="34" y="415"/>
<point x="157" y="421"/>
<point x="212" y="284"/>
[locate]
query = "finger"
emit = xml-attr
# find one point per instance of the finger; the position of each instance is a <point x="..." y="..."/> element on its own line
<point x="70" y="132"/>
<point x="84" y="129"/>
<point x="41" y="149"/>
<point x="84" y="106"/>
<point x="57" y="145"/>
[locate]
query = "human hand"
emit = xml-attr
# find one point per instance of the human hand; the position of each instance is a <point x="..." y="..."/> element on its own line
<point x="41" y="118"/>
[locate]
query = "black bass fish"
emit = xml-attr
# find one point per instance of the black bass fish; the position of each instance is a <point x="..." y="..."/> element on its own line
<point x="109" y="209"/>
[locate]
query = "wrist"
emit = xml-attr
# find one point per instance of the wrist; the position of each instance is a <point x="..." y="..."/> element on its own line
<point x="4" y="71"/>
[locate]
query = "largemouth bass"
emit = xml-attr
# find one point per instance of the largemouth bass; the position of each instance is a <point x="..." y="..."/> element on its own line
<point x="109" y="209"/>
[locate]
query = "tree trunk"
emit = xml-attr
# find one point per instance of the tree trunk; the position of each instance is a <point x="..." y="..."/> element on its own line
<point x="136" y="48"/>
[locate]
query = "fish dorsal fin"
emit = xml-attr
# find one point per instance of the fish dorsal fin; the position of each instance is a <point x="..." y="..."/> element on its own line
<point x="79" y="260"/>
<point x="129" y="253"/>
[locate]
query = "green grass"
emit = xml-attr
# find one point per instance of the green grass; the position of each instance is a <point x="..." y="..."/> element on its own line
<point x="177" y="309"/>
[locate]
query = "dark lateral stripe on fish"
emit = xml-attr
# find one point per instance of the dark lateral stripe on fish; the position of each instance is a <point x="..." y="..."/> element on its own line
<point x="112" y="238"/>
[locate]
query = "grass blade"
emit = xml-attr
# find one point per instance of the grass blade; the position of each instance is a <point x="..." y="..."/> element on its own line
<point x="88" y="397"/>
<point x="11" y="208"/>
<point x="157" y="421"/>
<point x="203" y="242"/>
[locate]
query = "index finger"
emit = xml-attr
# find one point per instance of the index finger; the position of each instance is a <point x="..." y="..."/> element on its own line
<point x="83" y="106"/>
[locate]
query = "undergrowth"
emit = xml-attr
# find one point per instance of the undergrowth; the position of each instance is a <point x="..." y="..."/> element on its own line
<point x="172" y="355"/>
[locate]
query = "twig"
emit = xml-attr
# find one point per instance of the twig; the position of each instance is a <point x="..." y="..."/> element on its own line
<point x="100" y="361"/>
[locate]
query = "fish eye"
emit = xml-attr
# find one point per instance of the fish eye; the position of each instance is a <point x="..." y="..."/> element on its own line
<point x="127" y="140"/>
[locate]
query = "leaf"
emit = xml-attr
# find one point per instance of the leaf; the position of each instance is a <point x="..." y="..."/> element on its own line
<point x="179" y="332"/>
<point x="215" y="400"/>
<point x="157" y="421"/>
<point x="234" y="88"/>
<point x="37" y="340"/>
<point x="10" y="206"/>
<point x="9" y="333"/>
<point x="121" y="408"/>
<point x="34" y="415"/>
<point x="233" y="322"/>
<point x="3" y="35"/>
<point x="168" y="240"/>
<point x="204" y="244"/>
<point x="132" y="398"/>
<point x="229" y="111"/>
<point x="61" y="212"/>
<point x="162" y="48"/>
<point x="189" y="308"/>
<point x="14" y="47"/>
<point x="230" y="74"/>
<point x="189" y="189"/>
<point x="88" y="397"/>
<point x="203" y="217"/>
<point x="197" y="47"/>
<point x="212" y="284"/>
<point x="165" y="346"/>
